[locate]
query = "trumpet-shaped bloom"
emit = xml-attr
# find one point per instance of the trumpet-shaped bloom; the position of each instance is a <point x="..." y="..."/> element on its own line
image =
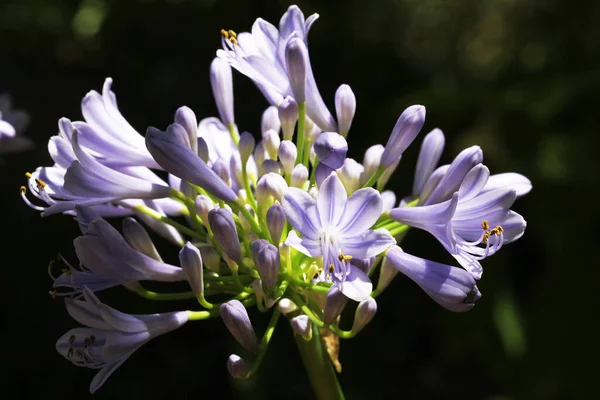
<point x="336" y="228"/>
<point x="110" y="336"/>
<point x="260" y="55"/>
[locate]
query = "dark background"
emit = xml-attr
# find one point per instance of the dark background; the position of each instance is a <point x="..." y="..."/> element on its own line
<point x="519" y="78"/>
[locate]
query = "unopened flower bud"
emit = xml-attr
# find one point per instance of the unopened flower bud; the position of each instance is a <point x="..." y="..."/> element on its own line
<point x="246" y="146"/>
<point x="203" y="150"/>
<point x="350" y="174"/>
<point x="191" y="264"/>
<point x="260" y="155"/>
<point x="345" y="107"/>
<point x="276" y="221"/>
<point x="223" y="227"/>
<point x="221" y="168"/>
<point x="387" y="273"/>
<point x="237" y="367"/>
<point x="364" y="314"/>
<point x="236" y="319"/>
<point x="389" y="200"/>
<point x="271" y="143"/>
<point x="287" y="306"/>
<point x="222" y="87"/>
<point x="270" y="120"/>
<point x="335" y="302"/>
<point x="371" y="162"/>
<point x="266" y="258"/>
<point x="180" y="133"/>
<point x="321" y="173"/>
<point x="203" y="205"/>
<point x="288" y="115"/>
<point x="296" y="56"/>
<point x="138" y="238"/>
<point x="287" y="156"/>
<point x="299" y="176"/>
<point x="302" y="325"/>
<point x="210" y="257"/>
<point x="331" y="148"/>
<point x="272" y="166"/>
<point x="406" y="129"/>
<point x="429" y="156"/>
<point x="235" y="168"/>
<point x="185" y="117"/>
<point x="270" y="185"/>
<point x="432" y="182"/>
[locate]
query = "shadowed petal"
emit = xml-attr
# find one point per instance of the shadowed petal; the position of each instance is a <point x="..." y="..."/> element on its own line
<point x="357" y="285"/>
<point x="311" y="248"/>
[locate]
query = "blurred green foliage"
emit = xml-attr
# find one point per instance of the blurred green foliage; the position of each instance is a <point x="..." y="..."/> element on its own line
<point x="519" y="78"/>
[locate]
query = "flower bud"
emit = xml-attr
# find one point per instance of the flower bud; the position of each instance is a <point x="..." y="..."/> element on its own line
<point x="350" y="174"/>
<point x="364" y="314"/>
<point x="246" y="146"/>
<point x="276" y="221"/>
<point x="191" y="264"/>
<point x="302" y="325"/>
<point x="222" y="87"/>
<point x="296" y="56"/>
<point x="335" y="302"/>
<point x="266" y="258"/>
<point x="288" y="115"/>
<point x="331" y="148"/>
<point x="203" y="150"/>
<point x="429" y="156"/>
<point x="287" y="156"/>
<point x="387" y="273"/>
<point x="453" y="288"/>
<point x="270" y="185"/>
<point x="452" y="179"/>
<point x="180" y="134"/>
<point x="287" y="306"/>
<point x="270" y="120"/>
<point x="85" y="215"/>
<point x="345" y="107"/>
<point x="223" y="227"/>
<point x="236" y="319"/>
<point x="272" y="166"/>
<point x="321" y="173"/>
<point x="237" y="367"/>
<point x="210" y="257"/>
<point x="185" y="117"/>
<point x="203" y="205"/>
<point x="371" y="162"/>
<point x="138" y="238"/>
<point x="271" y="143"/>
<point x="387" y="174"/>
<point x="221" y="168"/>
<point x="299" y="176"/>
<point x="389" y="200"/>
<point x="407" y="128"/>
<point x="260" y="155"/>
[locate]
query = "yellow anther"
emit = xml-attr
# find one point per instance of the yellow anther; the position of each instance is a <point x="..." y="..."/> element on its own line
<point x="316" y="275"/>
<point x="344" y="258"/>
<point x="232" y="34"/>
<point x="485" y="225"/>
<point x="485" y="237"/>
<point x="500" y="229"/>
<point x="233" y="40"/>
<point x="331" y="268"/>
<point x="23" y="189"/>
<point x="225" y="33"/>
<point x="41" y="184"/>
<point x="28" y="175"/>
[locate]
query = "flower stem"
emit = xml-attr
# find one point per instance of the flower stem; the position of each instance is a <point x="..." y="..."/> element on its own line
<point x="318" y="366"/>
<point x="300" y="135"/>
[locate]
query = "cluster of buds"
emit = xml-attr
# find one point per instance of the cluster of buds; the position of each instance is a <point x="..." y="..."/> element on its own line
<point x="286" y="223"/>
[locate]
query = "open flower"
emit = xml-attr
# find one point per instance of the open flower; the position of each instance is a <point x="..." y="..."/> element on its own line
<point x="336" y="228"/>
<point x="110" y="336"/>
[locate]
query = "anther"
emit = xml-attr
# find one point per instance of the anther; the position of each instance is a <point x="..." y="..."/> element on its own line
<point x="485" y="225"/>
<point x="331" y="268"/>
<point x="28" y="175"/>
<point x="344" y="258"/>
<point x="41" y="184"/>
<point x="225" y="33"/>
<point x="233" y="40"/>
<point x="23" y="189"/>
<point x="232" y="34"/>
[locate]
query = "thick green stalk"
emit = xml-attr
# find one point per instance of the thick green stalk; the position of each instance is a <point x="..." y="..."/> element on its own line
<point x="319" y="368"/>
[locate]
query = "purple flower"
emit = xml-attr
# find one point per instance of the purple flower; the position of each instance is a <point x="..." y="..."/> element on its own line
<point x="406" y="129"/>
<point x="108" y="260"/>
<point x="261" y="56"/>
<point x="452" y="288"/>
<point x="336" y="228"/>
<point x="110" y="336"/>
<point x="236" y="319"/>
<point x="331" y="148"/>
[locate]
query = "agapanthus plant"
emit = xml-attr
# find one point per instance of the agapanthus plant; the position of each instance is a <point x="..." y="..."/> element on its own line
<point x="288" y="224"/>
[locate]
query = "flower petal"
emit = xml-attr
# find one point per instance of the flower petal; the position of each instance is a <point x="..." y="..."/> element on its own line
<point x="300" y="210"/>
<point x="331" y="200"/>
<point x="474" y="182"/>
<point x="357" y="285"/>
<point x="367" y="244"/>
<point x="361" y="211"/>
<point x="309" y="247"/>
<point x="509" y="180"/>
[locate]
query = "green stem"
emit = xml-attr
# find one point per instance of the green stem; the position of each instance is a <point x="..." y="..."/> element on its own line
<point x="318" y="366"/>
<point x="300" y="135"/>
<point x="157" y="216"/>
<point x="374" y="177"/>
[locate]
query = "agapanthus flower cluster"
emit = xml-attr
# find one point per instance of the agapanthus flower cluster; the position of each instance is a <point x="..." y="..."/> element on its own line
<point x="286" y="223"/>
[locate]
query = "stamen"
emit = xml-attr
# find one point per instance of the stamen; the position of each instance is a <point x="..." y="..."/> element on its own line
<point x="344" y="258"/>
<point x="229" y="35"/>
<point x="232" y="34"/>
<point x="331" y="268"/>
<point x="485" y="225"/>
<point x="28" y="175"/>
<point x="23" y="190"/>
<point x="41" y="184"/>
<point x="225" y="33"/>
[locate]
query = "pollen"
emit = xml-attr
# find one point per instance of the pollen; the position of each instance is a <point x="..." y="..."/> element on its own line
<point x="331" y="268"/>
<point x="485" y="225"/>
<point x="23" y="189"/>
<point x="344" y="258"/>
<point x="497" y="231"/>
<point x="229" y="35"/>
<point x="40" y="183"/>
<point x="28" y="175"/>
